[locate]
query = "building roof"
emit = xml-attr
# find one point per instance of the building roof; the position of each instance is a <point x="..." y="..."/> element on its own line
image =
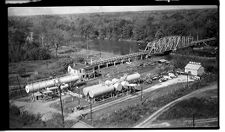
<point x="193" y="65"/>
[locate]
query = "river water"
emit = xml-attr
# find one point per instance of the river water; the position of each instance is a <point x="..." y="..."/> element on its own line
<point x="112" y="46"/>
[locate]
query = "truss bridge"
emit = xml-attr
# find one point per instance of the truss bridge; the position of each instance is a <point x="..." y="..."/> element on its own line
<point x="159" y="46"/>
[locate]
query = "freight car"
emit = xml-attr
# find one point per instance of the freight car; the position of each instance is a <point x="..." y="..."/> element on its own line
<point x="113" y="88"/>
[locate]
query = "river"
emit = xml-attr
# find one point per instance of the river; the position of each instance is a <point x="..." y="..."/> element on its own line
<point x="112" y="46"/>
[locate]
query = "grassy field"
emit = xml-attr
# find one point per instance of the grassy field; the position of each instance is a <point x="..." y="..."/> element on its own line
<point x="202" y="106"/>
<point x="19" y="119"/>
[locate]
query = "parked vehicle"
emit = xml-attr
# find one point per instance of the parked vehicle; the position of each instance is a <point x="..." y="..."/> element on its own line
<point x="172" y="75"/>
<point x="195" y="77"/>
<point x="163" y="79"/>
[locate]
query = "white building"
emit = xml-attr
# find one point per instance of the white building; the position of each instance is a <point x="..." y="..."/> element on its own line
<point x="194" y="68"/>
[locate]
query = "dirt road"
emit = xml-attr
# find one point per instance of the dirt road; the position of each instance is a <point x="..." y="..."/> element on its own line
<point x="148" y="122"/>
<point x="38" y="107"/>
<point x="179" y="79"/>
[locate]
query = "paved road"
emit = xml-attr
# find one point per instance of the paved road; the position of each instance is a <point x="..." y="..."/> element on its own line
<point x="147" y="122"/>
<point x="181" y="78"/>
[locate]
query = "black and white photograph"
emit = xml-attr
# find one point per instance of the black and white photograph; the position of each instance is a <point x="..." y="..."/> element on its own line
<point x="113" y="67"/>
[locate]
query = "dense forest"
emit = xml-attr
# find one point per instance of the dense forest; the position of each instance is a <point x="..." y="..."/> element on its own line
<point x="31" y="37"/>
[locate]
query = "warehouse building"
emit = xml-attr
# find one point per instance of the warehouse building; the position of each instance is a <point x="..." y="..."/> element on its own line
<point x="194" y="68"/>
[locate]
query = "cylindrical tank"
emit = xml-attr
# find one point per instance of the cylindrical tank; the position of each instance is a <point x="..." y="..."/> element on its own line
<point x="48" y="83"/>
<point x="52" y="88"/>
<point x="114" y="80"/>
<point x="86" y="90"/>
<point x="117" y="86"/>
<point x="132" y="85"/>
<point x="67" y="79"/>
<point x="100" y="90"/>
<point x="133" y="76"/>
<point x="107" y="82"/>
<point x="124" y="84"/>
<point x="62" y="87"/>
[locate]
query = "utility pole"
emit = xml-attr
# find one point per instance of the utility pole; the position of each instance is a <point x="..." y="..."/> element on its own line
<point x="61" y="103"/>
<point x="141" y="92"/>
<point x="91" y="111"/>
<point x="193" y="120"/>
<point x="19" y="86"/>
<point x="87" y="43"/>
<point x="78" y="97"/>
<point x="187" y="79"/>
<point x="87" y="48"/>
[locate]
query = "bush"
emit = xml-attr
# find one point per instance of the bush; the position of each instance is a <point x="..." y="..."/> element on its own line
<point x="200" y="107"/>
<point x="20" y="119"/>
<point x="37" y="54"/>
<point x="64" y="63"/>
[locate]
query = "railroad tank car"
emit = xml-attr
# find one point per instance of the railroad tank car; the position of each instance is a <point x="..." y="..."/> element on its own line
<point x="87" y="89"/>
<point x="133" y="77"/>
<point x="48" y="83"/>
<point x="100" y="90"/>
<point x="55" y="87"/>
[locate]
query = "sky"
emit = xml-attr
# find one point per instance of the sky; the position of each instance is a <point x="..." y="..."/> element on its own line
<point x="26" y="11"/>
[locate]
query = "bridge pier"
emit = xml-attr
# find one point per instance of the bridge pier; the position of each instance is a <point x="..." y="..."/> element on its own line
<point x="141" y="57"/>
<point x="114" y="63"/>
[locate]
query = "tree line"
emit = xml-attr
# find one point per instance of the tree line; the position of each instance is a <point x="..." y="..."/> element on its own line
<point x="52" y="31"/>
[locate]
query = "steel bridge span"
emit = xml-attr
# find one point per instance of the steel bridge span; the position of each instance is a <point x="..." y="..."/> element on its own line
<point x="169" y="43"/>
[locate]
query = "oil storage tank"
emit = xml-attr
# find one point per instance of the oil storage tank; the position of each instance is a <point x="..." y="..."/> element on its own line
<point x="133" y="77"/>
<point x="100" y="90"/>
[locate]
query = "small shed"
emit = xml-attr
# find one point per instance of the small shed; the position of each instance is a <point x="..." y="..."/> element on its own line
<point x="194" y="68"/>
